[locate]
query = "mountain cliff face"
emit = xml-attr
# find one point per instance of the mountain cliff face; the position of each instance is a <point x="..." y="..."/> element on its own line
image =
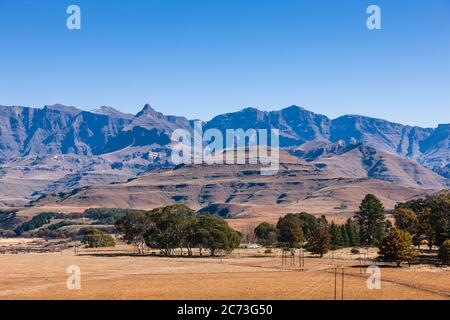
<point x="55" y="130"/>
<point x="126" y="145"/>
<point x="429" y="147"/>
<point x="296" y="124"/>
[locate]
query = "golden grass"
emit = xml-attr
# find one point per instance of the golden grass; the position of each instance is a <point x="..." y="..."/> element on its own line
<point x="247" y="274"/>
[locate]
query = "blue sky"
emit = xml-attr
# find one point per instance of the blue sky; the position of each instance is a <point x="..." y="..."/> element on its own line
<point x="199" y="58"/>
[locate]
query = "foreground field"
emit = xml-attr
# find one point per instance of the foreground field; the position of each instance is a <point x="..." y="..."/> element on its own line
<point x="247" y="274"/>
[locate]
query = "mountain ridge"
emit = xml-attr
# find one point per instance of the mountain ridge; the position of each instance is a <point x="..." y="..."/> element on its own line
<point x="59" y="129"/>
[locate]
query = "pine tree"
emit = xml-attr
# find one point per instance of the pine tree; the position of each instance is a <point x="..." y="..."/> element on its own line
<point x="371" y="220"/>
<point x="345" y="238"/>
<point x="352" y="233"/>
<point x="336" y="236"/>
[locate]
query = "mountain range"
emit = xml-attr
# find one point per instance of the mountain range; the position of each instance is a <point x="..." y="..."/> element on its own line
<point x="60" y="149"/>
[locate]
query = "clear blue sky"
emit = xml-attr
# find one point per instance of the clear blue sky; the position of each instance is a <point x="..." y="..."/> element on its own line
<point x="199" y="58"/>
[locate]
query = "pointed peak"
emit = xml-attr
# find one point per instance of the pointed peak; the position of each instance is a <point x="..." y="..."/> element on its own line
<point x="148" y="110"/>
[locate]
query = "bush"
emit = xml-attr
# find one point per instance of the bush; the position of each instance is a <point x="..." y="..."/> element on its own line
<point x="444" y="252"/>
<point x="95" y="238"/>
<point x="355" y="251"/>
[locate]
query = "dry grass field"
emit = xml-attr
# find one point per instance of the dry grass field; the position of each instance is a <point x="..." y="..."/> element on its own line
<point x="246" y="274"/>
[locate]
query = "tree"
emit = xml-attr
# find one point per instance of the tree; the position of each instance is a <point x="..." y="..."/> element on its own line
<point x="169" y="227"/>
<point x="345" y="237"/>
<point x="406" y="220"/>
<point x="266" y="233"/>
<point x="308" y="222"/>
<point x="352" y="233"/>
<point x="439" y="220"/>
<point x="95" y="238"/>
<point x="319" y="241"/>
<point x="444" y="252"/>
<point x="134" y="227"/>
<point x="322" y="221"/>
<point x="425" y="226"/>
<point x="336" y="236"/>
<point x="397" y="247"/>
<point x="35" y="223"/>
<point x="214" y="233"/>
<point x="290" y="231"/>
<point x="371" y="220"/>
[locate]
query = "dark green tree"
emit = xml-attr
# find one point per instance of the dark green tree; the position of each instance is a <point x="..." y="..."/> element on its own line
<point x="214" y="234"/>
<point x="425" y="226"/>
<point x="336" y="236"/>
<point x="134" y="226"/>
<point x="323" y="222"/>
<point x="169" y="228"/>
<point x="436" y="218"/>
<point x="371" y="220"/>
<point x="308" y="222"/>
<point x="266" y="234"/>
<point x="290" y="231"/>
<point x="345" y="237"/>
<point x="352" y="233"/>
<point x="319" y="241"/>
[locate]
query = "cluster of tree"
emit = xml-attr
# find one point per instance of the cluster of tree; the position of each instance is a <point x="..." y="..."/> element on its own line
<point x="369" y="227"/>
<point x="35" y="223"/>
<point x="95" y="238"/>
<point x="416" y="220"/>
<point x="175" y="227"/>
<point x="345" y="235"/>
<point x="107" y="216"/>
<point x="295" y="230"/>
<point x="426" y="219"/>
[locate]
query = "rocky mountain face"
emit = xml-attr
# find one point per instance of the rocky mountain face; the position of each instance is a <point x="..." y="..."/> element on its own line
<point x="55" y="130"/>
<point x="298" y="127"/>
<point x="56" y="148"/>
<point x="296" y="124"/>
